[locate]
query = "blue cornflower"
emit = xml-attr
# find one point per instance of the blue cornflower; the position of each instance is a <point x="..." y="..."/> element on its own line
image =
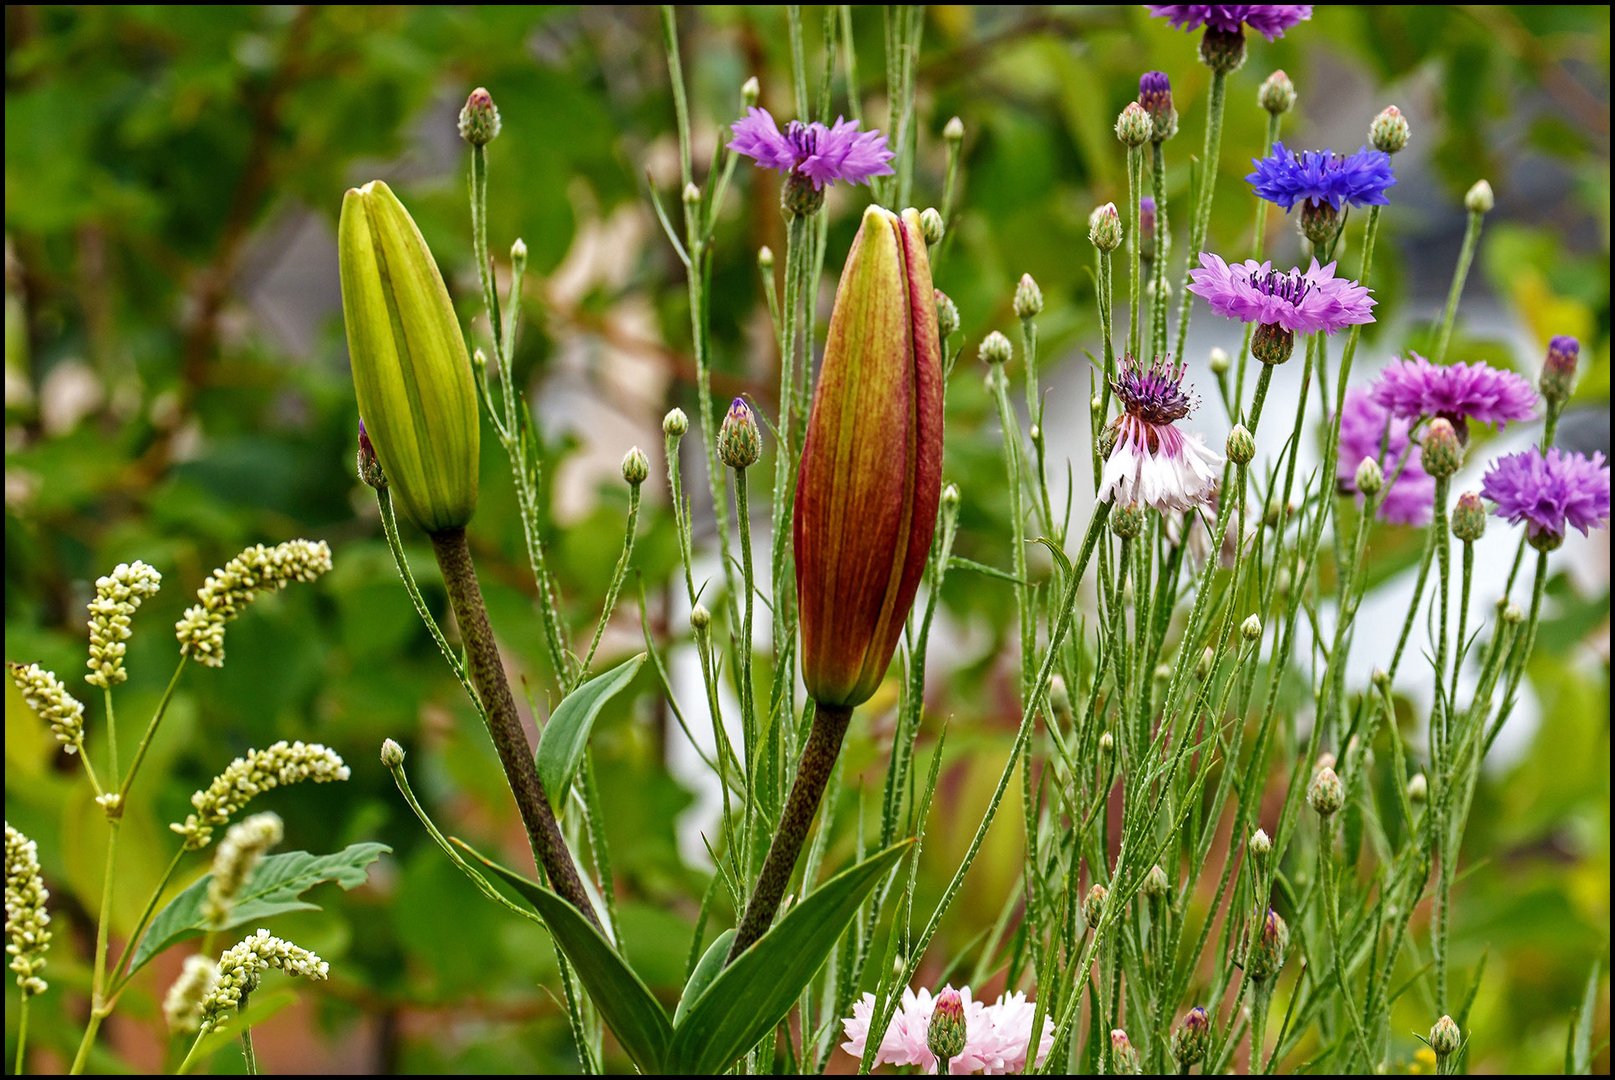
<point x="1318" y="177"/>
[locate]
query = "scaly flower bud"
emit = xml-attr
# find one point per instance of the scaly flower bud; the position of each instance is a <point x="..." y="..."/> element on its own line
<point x="1241" y="445"/>
<point x="750" y="91"/>
<point x="1269" y="941"/>
<point x="1445" y="1038"/>
<point x="1105" y="228"/>
<point x="27" y="920"/>
<point x="700" y="618"/>
<point x="1093" y="905"/>
<point x="50" y="700"/>
<point x="1260" y="846"/>
<point x="1418" y="789"/>
<point x="1319" y="222"/>
<point x="1155" y="883"/>
<point x="1559" y="370"/>
<point x="1123" y="1058"/>
<point x="1277" y="94"/>
<point x="228" y="590"/>
<point x="1028" y="298"/>
<point x="1220" y="361"/>
<point x="1251" y="628"/>
<point x="1441" y="454"/>
<point x="675" y="424"/>
<point x="931" y="226"/>
<point x="1207" y="661"/>
<point x="410" y="370"/>
<point x="946" y="1035"/>
<point x="1107" y="743"/>
<point x="1192" y="1038"/>
<point x="995" y="349"/>
<point x="1479" y="199"/>
<point x="246" y="777"/>
<point x="1222" y="50"/>
<point x="1326" y="794"/>
<point x="1127" y="521"/>
<point x="635" y="467"/>
<point x="243" y="965"/>
<point x="370" y="471"/>
<point x="871" y="475"/>
<point x="954" y="130"/>
<point x="239" y="853"/>
<point x="1155" y="96"/>
<point x="117" y="596"/>
<point x="182" y="1006"/>
<point x="1370" y="477"/>
<point x="392" y="755"/>
<point x="740" y="443"/>
<point x="1272" y="343"/>
<point x="947" y="315"/>
<point x="1469" y="518"/>
<point x="1389" y="131"/>
<point x="1133" y="126"/>
<point x="479" y="119"/>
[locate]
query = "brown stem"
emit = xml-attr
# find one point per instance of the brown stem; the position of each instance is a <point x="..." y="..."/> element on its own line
<point x="504" y="725"/>
<point x="818" y="760"/>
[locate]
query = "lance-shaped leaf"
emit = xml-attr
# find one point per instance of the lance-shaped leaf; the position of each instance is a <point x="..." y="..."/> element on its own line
<point x="871" y="475"/>
<point x="564" y="739"/>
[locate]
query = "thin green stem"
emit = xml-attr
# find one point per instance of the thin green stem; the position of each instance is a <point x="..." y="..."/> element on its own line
<point x="748" y="706"/>
<point x="1466" y="255"/>
<point x="151" y="730"/>
<point x="141" y="923"/>
<point x="98" y="1002"/>
<point x="617" y="575"/>
<point x="1201" y="223"/>
<point x="247" y="1052"/>
<point x="22" y="1035"/>
<point x="1135" y="189"/>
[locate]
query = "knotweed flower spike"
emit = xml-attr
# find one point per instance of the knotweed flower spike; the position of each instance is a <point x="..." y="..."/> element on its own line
<point x="1366" y="425"/>
<point x="811" y="156"/>
<point x="243" y="965"/>
<point x="45" y="694"/>
<point x="1549" y="492"/>
<point x="182" y="1005"/>
<point x="240" y="852"/>
<point x="1152" y="462"/>
<point x="27" y="920"/>
<point x="247" y="777"/>
<point x="228" y="591"/>
<point x="996" y="1035"/>
<point x="117" y="596"/>
<point x="1414" y="388"/>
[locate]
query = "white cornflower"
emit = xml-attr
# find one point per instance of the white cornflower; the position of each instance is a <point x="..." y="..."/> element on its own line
<point x="46" y="695"/>
<point x="243" y="965"/>
<point x="182" y="1006"/>
<point x="116" y="597"/>
<point x="261" y="770"/>
<point x="27" y="921"/>
<point x="1152" y="462"/>
<point x="229" y="590"/>
<point x="241" y="850"/>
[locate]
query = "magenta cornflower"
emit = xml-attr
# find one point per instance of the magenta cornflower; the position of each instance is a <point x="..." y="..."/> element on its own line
<point x="1547" y="492"/>
<point x="1414" y="387"/>
<point x="1409" y="491"/>
<point x="1302" y="303"/>
<point x="822" y="155"/>
<point x="1323" y="177"/>
<point x="996" y="1036"/>
<point x="1269" y="20"/>
<point x="1152" y="462"/>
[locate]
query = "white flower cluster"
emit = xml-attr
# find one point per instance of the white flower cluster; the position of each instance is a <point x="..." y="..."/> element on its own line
<point x="182" y="1006"/>
<point x="241" y="850"/>
<point x="246" y="777"/>
<point x="27" y="921"/>
<point x="46" y="695"/>
<point x="229" y="590"/>
<point x="243" y="965"/>
<point x="116" y="597"/>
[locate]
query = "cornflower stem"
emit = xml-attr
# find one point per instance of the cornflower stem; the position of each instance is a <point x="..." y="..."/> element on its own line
<point x="1135" y="188"/>
<point x="1264" y="379"/>
<point x="1261" y="998"/>
<point x="1201" y="222"/>
<point x="1467" y="578"/>
<point x="812" y="776"/>
<point x="1105" y="301"/>
<point x="1011" y="431"/>
<point x="504" y="724"/>
<point x="1258" y="246"/>
<point x="612" y="590"/>
<point x="1440" y="743"/>
<point x="1158" y="300"/>
<point x="748" y="707"/>
<point x="1330" y="894"/>
<point x="1466" y="255"/>
<point x="151" y="730"/>
<point x="99" y="1007"/>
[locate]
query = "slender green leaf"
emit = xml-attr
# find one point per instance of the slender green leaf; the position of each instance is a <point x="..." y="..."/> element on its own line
<point x="959" y="562"/>
<point x="275" y="887"/>
<point x="705" y="971"/>
<point x="756" y="992"/>
<point x="625" y="1002"/>
<point x="1579" y="1047"/>
<point x="566" y="736"/>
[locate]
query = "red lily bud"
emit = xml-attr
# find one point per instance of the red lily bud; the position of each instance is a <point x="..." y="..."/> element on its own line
<point x="871" y="478"/>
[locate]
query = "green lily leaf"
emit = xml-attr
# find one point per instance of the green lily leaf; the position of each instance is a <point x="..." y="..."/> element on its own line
<point x="566" y="736"/>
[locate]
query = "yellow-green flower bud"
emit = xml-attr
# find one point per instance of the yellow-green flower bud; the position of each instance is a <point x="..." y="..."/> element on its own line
<point x="1389" y="131"/>
<point x="1028" y="297"/>
<point x="1105" y="227"/>
<point x="479" y="119"/>
<point x="1445" y="1037"/>
<point x="1241" y="445"/>
<point x="1251" y="628"/>
<point x="1442" y="453"/>
<point x="675" y="423"/>
<point x="995" y="349"/>
<point x="1370" y="476"/>
<point x="750" y="91"/>
<point x="1480" y="199"/>
<point x="947" y="315"/>
<point x="1418" y="789"/>
<point x="1133" y="126"/>
<point x="931" y="226"/>
<point x="1277" y="94"/>
<point x="410" y="369"/>
<point x="1326" y="794"/>
<point x="635" y="466"/>
<point x="740" y="443"/>
<point x="1093" y="905"/>
<point x="1220" y="361"/>
<point x="954" y="130"/>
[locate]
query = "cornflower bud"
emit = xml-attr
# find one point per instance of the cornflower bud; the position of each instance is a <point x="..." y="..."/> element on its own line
<point x="750" y="91"/>
<point x="931" y="226"/>
<point x="1155" y="96"/>
<point x="264" y="770"/>
<point x="1107" y="743"/>
<point x="1559" y="370"/>
<point x="1155" y="883"/>
<point x="1123" y="1058"/>
<point x="1127" y="521"/>
<point x="1319" y="222"/>
<point x="1370" y="477"/>
<point x="1105" y="228"/>
<point x="411" y="375"/>
<point x="1277" y="94"/>
<point x="950" y="499"/>
<point x="1241" y="445"/>
<point x="1326" y="794"/>
<point x="1272" y="343"/>
<point x="700" y="618"/>
<point x="1220" y="361"/>
<point x="995" y="349"/>
<point x="1251" y="628"/>
<point x="1270" y="940"/>
<point x="765" y="259"/>
<point x="49" y="699"/>
<point x="227" y="592"/>
<point x="675" y="424"/>
<point x="1093" y="905"/>
<point x="1479" y="199"/>
<point x="1418" y="789"/>
<point x="1468" y="518"/>
<point x="1222" y="50"/>
<point x="947" y="315"/>
<point x="1207" y="661"/>
<point x="27" y="919"/>
<point x="479" y="119"/>
<point x="518" y="255"/>
<point x="635" y="467"/>
<point x="1133" y="126"/>
<point x="239" y="853"/>
<point x="1259" y="844"/>
<point x="1445" y="1038"/>
<point x="1389" y="131"/>
<point x="954" y="130"/>
<point x="392" y="755"/>
<point x="1028" y="297"/>
<point x="1192" y="1038"/>
<point x="740" y="443"/>
<point x="1441" y="454"/>
<point x="945" y="1037"/>
<point x="370" y="471"/>
<point x="1381" y="679"/>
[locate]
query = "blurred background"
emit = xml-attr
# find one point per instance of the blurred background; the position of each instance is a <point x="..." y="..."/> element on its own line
<point x="176" y="388"/>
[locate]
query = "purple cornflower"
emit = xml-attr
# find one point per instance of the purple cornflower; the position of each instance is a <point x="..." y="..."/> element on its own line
<point x="1414" y="388"/>
<point x="1317" y="177"/>
<point x="1152" y="462"/>
<point x="822" y="155"/>
<point x="1269" y="20"/>
<point x="1301" y="303"/>
<point x="1548" y="492"/>
<point x="1410" y="492"/>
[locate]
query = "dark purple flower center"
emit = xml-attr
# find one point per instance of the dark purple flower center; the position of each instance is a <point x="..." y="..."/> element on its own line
<point x="803" y="139"/>
<point x="1292" y="287"/>
<point x="1155" y="393"/>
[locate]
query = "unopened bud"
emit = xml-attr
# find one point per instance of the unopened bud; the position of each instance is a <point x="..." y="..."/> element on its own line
<point x="1269" y="941"/>
<point x="1260" y="845"/>
<point x="1441" y="454"/>
<point x="1222" y="50"/>
<point x="1513" y="615"/>
<point x="1107" y="743"/>
<point x="1192" y="1038"/>
<point x="692" y="194"/>
<point x="1133" y="126"/>
<point x="392" y="755"/>
<point x="1251" y="628"/>
<point x="1469" y="518"/>
<point x="765" y="259"/>
<point x="1370" y="477"/>
<point x="1155" y="883"/>
<point x="1445" y="1038"/>
<point x="995" y="349"/>
<point x="1326" y="794"/>
<point x="750" y="91"/>
<point x="1093" y="905"/>
<point x="1220" y="361"/>
<point x="1028" y="297"/>
<point x="1479" y="199"/>
<point x="675" y="423"/>
<point x="931" y="227"/>
<point x="1127" y="521"/>
<point x="518" y="255"/>
<point x="950" y="497"/>
<point x="700" y="618"/>
<point x="479" y="119"/>
<point x="370" y="471"/>
<point x="954" y="130"/>
<point x="1381" y="679"/>
<point x="1277" y="94"/>
<point x="1319" y="222"/>
<point x="947" y="314"/>
<point x="1123" y="1058"/>
<point x="1155" y="95"/>
<point x="1389" y="131"/>
<point x="1272" y="344"/>
<point x="1559" y="370"/>
<point x="1418" y="789"/>
<point x="946" y="1035"/>
<point x="740" y="443"/>
<point x="1207" y="661"/>
<point x="1241" y="445"/>
<point x="1060" y="699"/>
<point x="1105" y="228"/>
<point x="635" y="466"/>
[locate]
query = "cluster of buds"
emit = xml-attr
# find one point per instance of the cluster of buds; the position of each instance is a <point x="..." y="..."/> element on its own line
<point x="243" y="965"/>
<point x="228" y="590"/>
<point x="240" y="852"/>
<point x="45" y="694"/>
<point x="27" y="920"/>
<point x="117" y="596"/>
<point x="182" y="1005"/>
<point x="245" y="778"/>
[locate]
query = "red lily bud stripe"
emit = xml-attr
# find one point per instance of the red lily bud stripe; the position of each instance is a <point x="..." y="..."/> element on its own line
<point x="871" y="474"/>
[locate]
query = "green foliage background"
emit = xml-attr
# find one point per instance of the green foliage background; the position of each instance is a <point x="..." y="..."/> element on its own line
<point x="176" y="388"/>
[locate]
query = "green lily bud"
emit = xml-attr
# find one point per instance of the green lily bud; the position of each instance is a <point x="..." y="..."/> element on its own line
<point x="411" y="373"/>
<point x="871" y="476"/>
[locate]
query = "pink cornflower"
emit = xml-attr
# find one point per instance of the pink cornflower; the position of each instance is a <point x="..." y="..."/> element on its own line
<point x="820" y="154"/>
<point x="1415" y="388"/>
<point x="1152" y="462"/>
<point x="1300" y="302"/>
<point x="996" y="1036"/>
<point x="1549" y="492"/>
<point x="1365" y="426"/>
